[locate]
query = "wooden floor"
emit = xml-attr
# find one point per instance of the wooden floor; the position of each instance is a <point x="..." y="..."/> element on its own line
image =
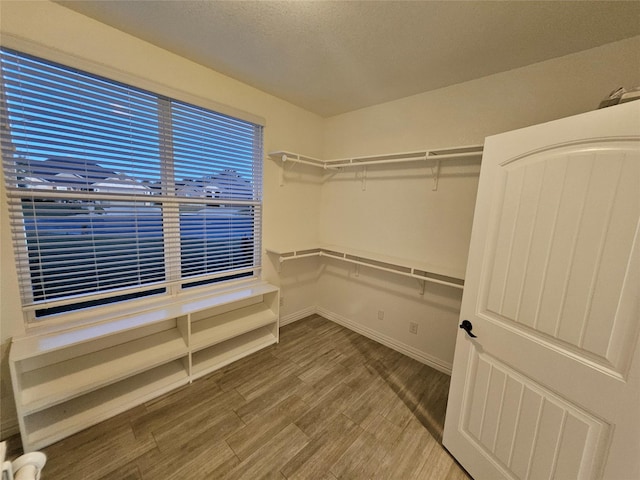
<point x="325" y="403"/>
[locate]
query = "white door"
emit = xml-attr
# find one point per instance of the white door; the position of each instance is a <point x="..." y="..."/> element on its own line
<point x="550" y="388"/>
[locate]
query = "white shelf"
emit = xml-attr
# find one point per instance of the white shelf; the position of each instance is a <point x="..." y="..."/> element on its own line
<point x="62" y="381"/>
<point x="229" y="297"/>
<point x="64" y="419"/>
<point x="454" y="153"/>
<point x="66" y="381"/>
<point x="231" y="324"/>
<point x="429" y="158"/>
<point x="28" y="346"/>
<point x="408" y="268"/>
<point x="295" y="252"/>
<point x="219" y="355"/>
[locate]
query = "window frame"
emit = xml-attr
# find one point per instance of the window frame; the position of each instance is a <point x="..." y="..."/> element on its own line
<point x="174" y="285"/>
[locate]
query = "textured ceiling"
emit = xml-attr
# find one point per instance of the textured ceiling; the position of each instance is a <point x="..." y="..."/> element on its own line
<point x="332" y="57"/>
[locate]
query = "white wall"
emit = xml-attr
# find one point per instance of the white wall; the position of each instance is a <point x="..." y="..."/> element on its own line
<point x="290" y="212"/>
<point x="468" y="112"/>
<point x="400" y="215"/>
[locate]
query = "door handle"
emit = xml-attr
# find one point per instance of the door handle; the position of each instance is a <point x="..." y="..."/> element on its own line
<point x="467" y="327"/>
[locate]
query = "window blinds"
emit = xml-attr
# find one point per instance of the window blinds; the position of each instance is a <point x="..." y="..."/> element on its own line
<point x="114" y="190"/>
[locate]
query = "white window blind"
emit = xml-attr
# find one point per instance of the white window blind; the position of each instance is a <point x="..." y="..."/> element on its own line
<point x="115" y="192"/>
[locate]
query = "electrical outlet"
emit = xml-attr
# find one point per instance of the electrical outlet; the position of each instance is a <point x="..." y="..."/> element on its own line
<point x="281" y="301"/>
<point x="413" y="328"/>
<point x="380" y="314"/>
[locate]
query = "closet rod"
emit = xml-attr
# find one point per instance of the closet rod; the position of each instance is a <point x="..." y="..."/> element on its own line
<point x="345" y="258"/>
<point x="390" y="270"/>
<point x="286" y="158"/>
<point x="426" y="157"/>
<point x="351" y="163"/>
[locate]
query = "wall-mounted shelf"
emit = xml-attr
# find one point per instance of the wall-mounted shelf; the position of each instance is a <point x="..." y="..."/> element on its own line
<point x="66" y="381"/>
<point x="432" y="158"/>
<point x="407" y="268"/>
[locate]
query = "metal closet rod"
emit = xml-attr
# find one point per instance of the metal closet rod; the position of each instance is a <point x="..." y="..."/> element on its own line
<point x="383" y="159"/>
<point x="342" y="256"/>
<point x="398" y="272"/>
<point x="285" y="158"/>
<point x="352" y="163"/>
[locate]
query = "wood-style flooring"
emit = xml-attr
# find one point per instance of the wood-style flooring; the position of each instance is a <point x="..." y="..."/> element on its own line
<point x="323" y="404"/>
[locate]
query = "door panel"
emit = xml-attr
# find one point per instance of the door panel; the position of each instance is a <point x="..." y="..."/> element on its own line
<point x="550" y="388"/>
<point x="529" y="431"/>
<point x="562" y="244"/>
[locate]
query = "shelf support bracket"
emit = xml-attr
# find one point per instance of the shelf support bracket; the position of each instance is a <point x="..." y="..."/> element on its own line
<point x="356" y="270"/>
<point x="421" y="285"/>
<point x="284" y="161"/>
<point x="435" y="174"/>
<point x="364" y="178"/>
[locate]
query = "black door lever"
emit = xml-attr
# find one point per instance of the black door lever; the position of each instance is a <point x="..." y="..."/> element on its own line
<point x="467" y="327"/>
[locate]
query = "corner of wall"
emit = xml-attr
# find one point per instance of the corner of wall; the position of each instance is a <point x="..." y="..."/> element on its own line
<point x="8" y="415"/>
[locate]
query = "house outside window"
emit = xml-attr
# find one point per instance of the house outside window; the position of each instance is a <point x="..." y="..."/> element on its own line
<point x="118" y="193"/>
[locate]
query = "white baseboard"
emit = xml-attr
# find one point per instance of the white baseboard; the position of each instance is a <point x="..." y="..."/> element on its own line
<point x="299" y="315"/>
<point x="396" y="345"/>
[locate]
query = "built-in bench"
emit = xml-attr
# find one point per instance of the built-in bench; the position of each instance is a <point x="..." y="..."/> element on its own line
<point x="65" y="381"/>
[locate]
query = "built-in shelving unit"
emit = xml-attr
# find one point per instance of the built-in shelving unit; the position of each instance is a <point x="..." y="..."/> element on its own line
<point x="68" y="380"/>
<point x="408" y="268"/>
<point x="430" y="158"/>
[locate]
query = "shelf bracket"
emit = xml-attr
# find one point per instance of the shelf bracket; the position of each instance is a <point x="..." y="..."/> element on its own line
<point x="284" y="160"/>
<point x="363" y="178"/>
<point x="421" y="286"/>
<point x="435" y="174"/>
<point x="356" y="270"/>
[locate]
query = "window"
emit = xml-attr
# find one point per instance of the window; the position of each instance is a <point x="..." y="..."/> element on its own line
<point x="116" y="192"/>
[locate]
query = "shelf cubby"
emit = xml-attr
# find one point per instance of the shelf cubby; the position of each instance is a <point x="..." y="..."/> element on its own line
<point x="218" y="328"/>
<point x="62" y="381"/>
<point x="64" y="419"/>
<point x="224" y="353"/>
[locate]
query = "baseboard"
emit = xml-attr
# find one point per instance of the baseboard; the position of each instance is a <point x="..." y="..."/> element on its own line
<point x="403" y="348"/>
<point x="398" y="346"/>
<point x="299" y="315"/>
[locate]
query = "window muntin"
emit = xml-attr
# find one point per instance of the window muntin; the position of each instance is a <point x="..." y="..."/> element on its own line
<point x="115" y="191"/>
